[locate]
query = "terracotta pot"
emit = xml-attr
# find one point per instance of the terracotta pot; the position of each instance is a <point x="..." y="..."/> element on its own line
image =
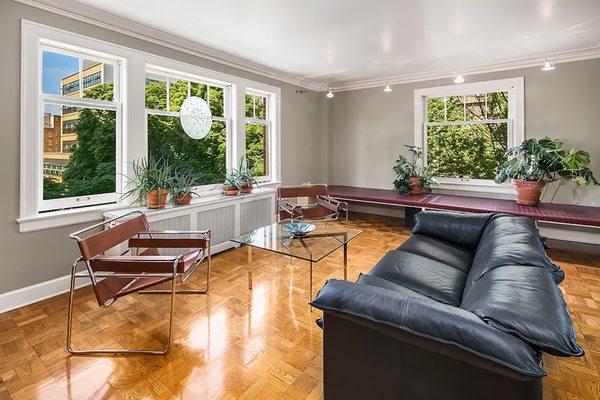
<point x="231" y="191"/>
<point x="246" y="187"/>
<point x="528" y="192"/>
<point x="153" y="200"/>
<point x="181" y="200"/>
<point x="415" y="186"/>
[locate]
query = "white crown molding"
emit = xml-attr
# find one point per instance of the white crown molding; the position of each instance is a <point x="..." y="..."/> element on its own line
<point x="537" y="61"/>
<point x="94" y="16"/>
<point x="91" y="15"/>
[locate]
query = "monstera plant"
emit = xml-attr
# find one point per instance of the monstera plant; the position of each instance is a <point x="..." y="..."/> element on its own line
<point x="534" y="163"/>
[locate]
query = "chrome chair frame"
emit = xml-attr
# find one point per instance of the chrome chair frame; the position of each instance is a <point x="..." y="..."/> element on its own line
<point x="295" y="210"/>
<point x="90" y="274"/>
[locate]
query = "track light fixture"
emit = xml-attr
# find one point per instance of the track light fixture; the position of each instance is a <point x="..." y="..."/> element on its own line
<point x="330" y="94"/>
<point x="459" y="78"/>
<point x="548" y="65"/>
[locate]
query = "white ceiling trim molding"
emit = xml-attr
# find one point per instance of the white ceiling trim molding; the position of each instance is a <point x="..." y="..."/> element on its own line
<point x="94" y="16"/>
<point x="530" y="62"/>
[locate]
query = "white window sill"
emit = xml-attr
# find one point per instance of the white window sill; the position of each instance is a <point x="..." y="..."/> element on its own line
<point x="57" y="219"/>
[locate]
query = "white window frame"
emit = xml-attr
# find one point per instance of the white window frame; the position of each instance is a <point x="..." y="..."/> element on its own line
<point x="267" y="122"/>
<point x="173" y="75"/>
<point x="133" y="142"/>
<point x="82" y="102"/>
<point x="35" y="40"/>
<point x="515" y="122"/>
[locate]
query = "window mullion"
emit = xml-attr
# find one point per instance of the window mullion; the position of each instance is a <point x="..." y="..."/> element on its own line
<point x="79" y="102"/>
<point x="168" y="93"/>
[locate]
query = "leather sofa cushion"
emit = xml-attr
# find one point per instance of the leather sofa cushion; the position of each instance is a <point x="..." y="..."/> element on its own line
<point x="461" y="229"/>
<point x="428" y="277"/>
<point x="430" y="319"/>
<point x="436" y="249"/>
<point x="373" y="280"/>
<point x="509" y="240"/>
<point x="526" y="302"/>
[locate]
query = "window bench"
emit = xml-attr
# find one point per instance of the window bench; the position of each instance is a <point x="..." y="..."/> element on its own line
<point x="583" y="216"/>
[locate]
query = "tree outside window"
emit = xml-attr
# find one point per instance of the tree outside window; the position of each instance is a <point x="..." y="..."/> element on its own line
<point x="467" y="135"/>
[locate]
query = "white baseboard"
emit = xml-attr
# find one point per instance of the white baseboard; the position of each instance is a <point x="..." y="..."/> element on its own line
<point x="38" y="292"/>
<point x="45" y="290"/>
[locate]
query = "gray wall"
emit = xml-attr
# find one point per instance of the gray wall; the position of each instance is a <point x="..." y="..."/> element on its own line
<point x="352" y="139"/>
<point x="31" y="258"/>
<point x="369" y="128"/>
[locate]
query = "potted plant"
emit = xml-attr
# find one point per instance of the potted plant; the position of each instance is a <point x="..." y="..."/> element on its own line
<point x="411" y="176"/>
<point x="246" y="180"/>
<point x="150" y="182"/>
<point x="535" y="163"/>
<point x="231" y="186"/>
<point x="181" y="188"/>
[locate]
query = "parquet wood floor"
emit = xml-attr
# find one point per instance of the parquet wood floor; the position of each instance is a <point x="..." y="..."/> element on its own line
<point x="236" y="343"/>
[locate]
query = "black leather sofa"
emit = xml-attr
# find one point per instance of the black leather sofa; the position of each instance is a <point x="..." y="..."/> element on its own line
<point x="462" y="310"/>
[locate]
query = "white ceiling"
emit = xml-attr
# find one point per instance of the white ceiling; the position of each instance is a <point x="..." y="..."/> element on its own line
<point x="335" y="42"/>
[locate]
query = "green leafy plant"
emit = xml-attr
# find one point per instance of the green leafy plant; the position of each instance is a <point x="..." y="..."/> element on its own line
<point x="147" y="175"/>
<point x="182" y="184"/>
<point x="546" y="160"/>
<point x="405" y="170"/>
<point x="245" y="174"/>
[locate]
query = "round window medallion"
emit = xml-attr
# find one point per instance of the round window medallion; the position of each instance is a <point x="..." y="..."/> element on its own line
<point x="196" y="118"/>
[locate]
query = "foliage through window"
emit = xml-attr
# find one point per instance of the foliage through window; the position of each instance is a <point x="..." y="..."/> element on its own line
<point x="467" y="134"/>
<point x="168" y="143"/>
<point x="79" y="154"/>
<point x="257" y="133"/>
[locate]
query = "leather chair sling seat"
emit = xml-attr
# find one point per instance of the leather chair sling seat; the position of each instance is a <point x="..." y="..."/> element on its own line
<point x="320" y="205"/>
<point x="140" y="267"/>
<point x="464" y="309"/>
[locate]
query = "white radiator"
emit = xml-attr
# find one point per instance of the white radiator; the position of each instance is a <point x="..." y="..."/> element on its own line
<point x="226" y="217"/>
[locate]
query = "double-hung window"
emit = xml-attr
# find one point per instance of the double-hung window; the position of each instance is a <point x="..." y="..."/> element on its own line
<point x="80" y="92"/>
<point x="206" y="158"/>
<point x="258" y="130"/>
<point x="465" y="130"/>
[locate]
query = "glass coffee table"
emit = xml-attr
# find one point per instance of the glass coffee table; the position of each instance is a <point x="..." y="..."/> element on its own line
<point x="312" y="247"/>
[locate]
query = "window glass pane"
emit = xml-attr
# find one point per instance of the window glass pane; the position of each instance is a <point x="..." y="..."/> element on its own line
<point x="204" y="157"/>
<point x="455" y="108"/>
<point x="98" y="80"/>
<point x="435" y="109"/>
<point x="198" y="90"/>
<point x="476" y="107"/>
<point x="60" y="74"/>
<point x="249" y="105"/>
<point x="156" y="92"/>
<point x="178" y="92"/>
<point x="260" y="103"/>
<point x="216" y="101"/>
<point x="466" y="151"/>
<point x="79" y="151"/>
<point x="497" y="105"/>
<point x="256" y="149"/>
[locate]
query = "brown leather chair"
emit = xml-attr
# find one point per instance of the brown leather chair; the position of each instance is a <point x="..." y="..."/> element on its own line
<point x="139" y="267"/>
<point x="320" y="205"/>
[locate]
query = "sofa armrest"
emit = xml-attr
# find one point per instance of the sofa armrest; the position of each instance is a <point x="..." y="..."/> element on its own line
<point x="461" y="229"/>
<point x="431" y="320"/>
